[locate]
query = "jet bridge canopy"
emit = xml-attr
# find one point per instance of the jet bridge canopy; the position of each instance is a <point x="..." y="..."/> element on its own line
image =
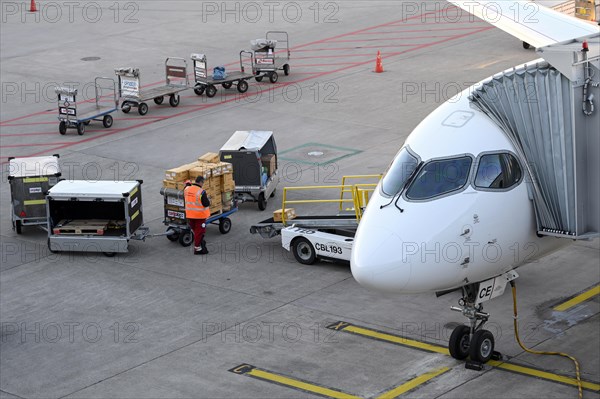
<point x="548" y="114"/>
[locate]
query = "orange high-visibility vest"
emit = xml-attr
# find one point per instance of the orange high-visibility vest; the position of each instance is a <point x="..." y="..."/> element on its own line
<point x="193" y="203"/>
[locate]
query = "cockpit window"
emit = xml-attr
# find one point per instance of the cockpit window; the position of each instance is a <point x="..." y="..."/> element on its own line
<point x="440" y="177"/>
<point x="400" y="170"/>
<point x="497" y="171"/>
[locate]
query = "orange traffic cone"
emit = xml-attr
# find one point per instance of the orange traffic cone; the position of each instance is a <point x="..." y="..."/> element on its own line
<point x="378" y="65"/>
<point x="32" y="6"/>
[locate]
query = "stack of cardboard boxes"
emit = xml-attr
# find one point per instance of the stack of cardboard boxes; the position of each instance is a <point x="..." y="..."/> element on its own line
<point x="218" y="180"/>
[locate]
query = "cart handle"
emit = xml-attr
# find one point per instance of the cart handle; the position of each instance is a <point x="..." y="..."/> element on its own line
<point x="246" y="54"/>
<point x="173" y="70"/>
<point x="114" y="89"/>
<point x="283" y="33"/>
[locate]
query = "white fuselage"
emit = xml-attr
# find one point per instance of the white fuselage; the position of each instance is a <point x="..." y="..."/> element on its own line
<point x="462" y="237"/>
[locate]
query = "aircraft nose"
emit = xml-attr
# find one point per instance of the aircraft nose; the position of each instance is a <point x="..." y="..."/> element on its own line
<point x="377" y="260"/>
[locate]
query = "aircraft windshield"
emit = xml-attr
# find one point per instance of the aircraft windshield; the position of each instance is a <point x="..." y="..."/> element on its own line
<point x="398" y="173"/>
<point x="439" y="177"/>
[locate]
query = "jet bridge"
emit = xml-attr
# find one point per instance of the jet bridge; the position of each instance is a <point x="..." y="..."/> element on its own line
<point x="548" y="110"/>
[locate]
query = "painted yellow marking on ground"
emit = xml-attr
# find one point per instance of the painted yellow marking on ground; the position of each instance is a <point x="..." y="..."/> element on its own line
<point x="578" y="299"/>
<point x="396" y="339"/>
<point x="412" y="384"/>
<point x="545" y="375"/>
<point x="249" y="370"/>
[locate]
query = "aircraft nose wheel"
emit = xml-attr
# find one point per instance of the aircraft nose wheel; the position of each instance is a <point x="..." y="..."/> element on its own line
<point x="482" y="346"/>
<point x="459" y="342"/>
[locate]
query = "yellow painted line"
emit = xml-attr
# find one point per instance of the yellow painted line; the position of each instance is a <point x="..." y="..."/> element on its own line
<point x="578" y="299"/>
<point x="412" y="384"/>
<point x="34" y="202"/>
<point x="35" y="179"/>
<point x="545" y="375"/>
<point x="397" y="340"/>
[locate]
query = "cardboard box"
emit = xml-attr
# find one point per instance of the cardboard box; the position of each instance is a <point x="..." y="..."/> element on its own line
<point x="290" y="213"/>
<point x="180" y="173"/>
<point x="210" y="157"/>
<point x="176" y="185"/>
<point x="269" y="162"/>
<point x="200" y="171"/>
<point x="215" y="168"/>
<point x="228" y="187"/>
<point x="226" y="167"/>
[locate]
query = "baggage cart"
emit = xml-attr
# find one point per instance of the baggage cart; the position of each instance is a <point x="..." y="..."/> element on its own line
<point x="205" y="83"/>
<point x="253" y="155"/>
<point x="72" y="116"/>
<point x="267" y="61"/>
<point x="94" y="216"/>
<point x="176" y="222"/>
<point x="30" y="179"/>
<point x="133" y="96"/>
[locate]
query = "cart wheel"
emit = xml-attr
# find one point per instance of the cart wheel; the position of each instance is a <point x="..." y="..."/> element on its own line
<point x="199" y="90"/>
<point x="242" y="86"/>
<point x="303" y="251"/>
<point x="273" y="77"/>
<point x="224" y="225"/>
<point x="86" y="123"/>
<point x="174" y="100"/>
<point x="211" y="91"/>
<point x="107" y="121"/>
<point x="186" y="239"/>
<point x="262" y="202"/>
<point x="62" y="127"/>
<point x="143" y="108"/>
<point x="173" y="236"/>
<point x="126" y="108"/>
<point x="258" y="78"/>
<point x="286" y="69"/>
<point x="227" y="85"/>
<point x="80" y="129"/>
<point x="159" y="100"/>
<point x="19" y="225"/>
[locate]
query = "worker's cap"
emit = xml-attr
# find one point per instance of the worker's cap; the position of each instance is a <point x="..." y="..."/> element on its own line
<point x="199" y="179"/>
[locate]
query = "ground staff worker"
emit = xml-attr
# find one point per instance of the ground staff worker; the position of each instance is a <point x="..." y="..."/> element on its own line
<point x="197" y="211"/>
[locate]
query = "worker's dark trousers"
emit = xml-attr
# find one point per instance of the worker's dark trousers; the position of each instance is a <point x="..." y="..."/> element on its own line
<point x="199" y="228"/>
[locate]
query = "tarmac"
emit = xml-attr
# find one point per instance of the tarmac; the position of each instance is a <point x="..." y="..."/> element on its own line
<point x="248" y="321"/>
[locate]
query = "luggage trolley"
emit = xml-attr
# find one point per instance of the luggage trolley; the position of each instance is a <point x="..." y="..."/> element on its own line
<point x="132" y="96"/>
<point x="72" y="116"/>
<point x="266" y="61"/>
<point x="177" y="226"/>
<point x="207" y="84"/>
<point x="30" y="178"/>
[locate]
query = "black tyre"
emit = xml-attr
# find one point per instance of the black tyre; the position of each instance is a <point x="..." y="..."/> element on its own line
<point x="126" y="108"/>
<point x="87" y="122"/>
<point x="107" y="121"/>
<point x="186" y="239"/>
<point x="526" y="45"/>
<point x="303" y="251"/>
<point x="174" y="236"/>
<point x="18" y="226"/>
<point x="227" y="85"/>
<point x="258" y="78"/>
<point x="62" y="127"/>
<point x="80" y="129"/>
<point x="286" y="69"/>
<point x="272" y="194"/>
<point x="159" y="100"/>
<point x="174" y="100"/>
<point x="143" y="109"/>
<point x="262" y="202"/>
<point x="199" y="90"/>
<point x="242" y="86"/>
<point x="273" y="77"/>
<point x="482" y="346"/>
<point x="459" y="342"/>
<point x="224" y="225"/>
<point x="211" y="91"/>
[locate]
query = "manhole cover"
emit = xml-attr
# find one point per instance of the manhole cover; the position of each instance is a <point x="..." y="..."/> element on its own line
<point x="90" y="58"/>
<point x="315" y="154"/>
